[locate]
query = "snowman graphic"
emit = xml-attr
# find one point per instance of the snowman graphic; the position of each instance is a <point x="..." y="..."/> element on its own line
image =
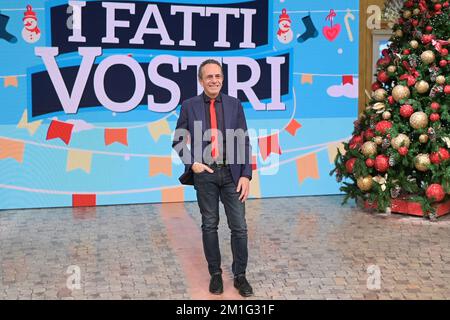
<point x="30" y="32"/>
<point x="284" y="33"/>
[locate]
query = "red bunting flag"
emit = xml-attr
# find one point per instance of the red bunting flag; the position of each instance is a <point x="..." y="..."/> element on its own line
<point x="269" y="144"/>
<point x="84" y="200"/>
<point x="347" y="79"/>
<point x="293" y="126"/>
<point x="59" y="129"/>
<point x="116" y="135"/>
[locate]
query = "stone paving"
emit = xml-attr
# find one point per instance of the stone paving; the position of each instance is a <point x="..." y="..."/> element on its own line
<point x="300" y="248"/>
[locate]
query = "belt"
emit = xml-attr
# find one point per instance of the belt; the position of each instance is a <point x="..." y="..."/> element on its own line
<point x="217" y="165"/>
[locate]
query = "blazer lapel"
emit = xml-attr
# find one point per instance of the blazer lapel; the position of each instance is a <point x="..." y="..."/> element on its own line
<point x="199" y="111"/>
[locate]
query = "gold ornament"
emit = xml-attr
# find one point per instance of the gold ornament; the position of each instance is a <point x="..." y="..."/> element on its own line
<point x="369" y="149"/>
<point x="399" y="33"/>
<point x="418" y="120"/>
<point x="402" y="140"/>
<point x="422" y="162"/>
<point x="414" y="44"/>
<point x="440" y="79"/>
<point x="379" y="94"/>
<point x="416" y="11"/>
<point x="423" y="138"/>
<point x="378" y="140"/>
<point x="379" y="107"/>
<point x="422" y="86"/>
<point x="392" y="69"/>
<point x="365" y="183"/>
<point x="386" y="115"/>
<point x="407" y="14"/>
<point x="428" y="57"/>
<point x="400" y="92"/>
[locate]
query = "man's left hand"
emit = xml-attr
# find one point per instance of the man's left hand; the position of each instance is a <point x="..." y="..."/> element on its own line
<point x="244" y="188"/>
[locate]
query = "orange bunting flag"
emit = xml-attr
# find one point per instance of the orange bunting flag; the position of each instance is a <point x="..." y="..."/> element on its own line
<point x="307" y="167"/>
<point x="172" y="194"/>
<point x="160" y="165"/>
<point x="333" y="150"/>
<point x="30" y="126"/>
<point x="269" y="144"/>
<point x="11" y="81"/>
<point x="62" y="130"/>
<point x="307" y="78"/>
<point x="116" y="135"/>
<point x="12" y="149"/>
<point x="84" y="200"/>
<point x="293" y="126"/>
<point x="347" y="79"/>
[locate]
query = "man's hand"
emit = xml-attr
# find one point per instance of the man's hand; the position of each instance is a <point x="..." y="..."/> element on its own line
<point x="244" y="188"/>
<point x="200" y="167"/>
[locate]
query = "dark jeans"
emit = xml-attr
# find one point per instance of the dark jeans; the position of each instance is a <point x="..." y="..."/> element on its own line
<point x="210" y="187"/>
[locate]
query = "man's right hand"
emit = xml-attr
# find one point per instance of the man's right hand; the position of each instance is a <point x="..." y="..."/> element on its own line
<point x="200" y="167"/>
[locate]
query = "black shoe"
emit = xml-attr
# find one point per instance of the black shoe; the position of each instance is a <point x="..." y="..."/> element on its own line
<point x="241" y="283"/>
<point x="216" y="284"/>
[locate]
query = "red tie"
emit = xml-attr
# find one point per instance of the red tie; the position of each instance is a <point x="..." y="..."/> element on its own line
<point x="214" y="142"/>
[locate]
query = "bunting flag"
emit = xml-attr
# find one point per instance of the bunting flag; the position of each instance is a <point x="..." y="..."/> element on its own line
<point x="307" y="167"/>
<point x="84" y="200"/>
<point x="293" y="126"/>
<point x="255" y="186"/>
<point x="10" y="81"/>
<point x="347" y="79"/>
<point x="77" y="159"/>
<point x="333" y="150"/>
<point x="12" y="149"/>
<point x="30" y="126"/>
<point x="159" y="128"/>
<point x="172" y="194"/>
<point x="58" y="129"/>
<point x="160" y="165"/>
<point x="116" y="135"/>
<point x="269" y="144"/>
<point x="254" y="162"/>
<point x="307" y="78"/>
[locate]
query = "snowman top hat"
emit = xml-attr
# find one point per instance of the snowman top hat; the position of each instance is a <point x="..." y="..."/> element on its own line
<point x="29" y="13"/>
<point x="284" y="16"/>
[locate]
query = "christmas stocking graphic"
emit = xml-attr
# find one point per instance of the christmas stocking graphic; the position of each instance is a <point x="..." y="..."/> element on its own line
<point x="311" y="31"/>
<point x="3" y="33"/>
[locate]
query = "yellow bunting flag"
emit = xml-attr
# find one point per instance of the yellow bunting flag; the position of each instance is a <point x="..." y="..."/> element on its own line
<point x="255" y="186"/>
<point x="12" y="149"/>
<point x="307" y="78"/>
<point x="159" y="128"/>
<point x="30" y="126"/>
<point x="77" y="159"/>
<point x="11" y="81"/>
<point x="307" y="167"/>
<point x="160" y="165"/>
<point x="333" y="150"/>
<point x="172" y="194"/>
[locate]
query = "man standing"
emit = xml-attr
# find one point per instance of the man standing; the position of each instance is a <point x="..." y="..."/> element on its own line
<point x="218" y="165"/>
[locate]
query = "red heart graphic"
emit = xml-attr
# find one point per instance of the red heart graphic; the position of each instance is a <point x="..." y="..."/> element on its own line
<point x="332" y="32"/>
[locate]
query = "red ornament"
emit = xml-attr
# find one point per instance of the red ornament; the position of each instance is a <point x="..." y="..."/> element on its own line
<point x="409" y="4"/>
<point x="383" y="125"/>
<point x="377" y="85"/>
<point x="383" y="77"/>
<point x="349" y="165"/>
<point x="427" y="38"/>
<point x="370" y="163"/>
<point x="435" y="106"/>
<point x="437" y="7"/>
<point x="444" y="154"/>
<point x="446" y="4"/>
<point x="382" y="163"/>
<point x="406" y="52"/>
<point x="443" y="63"/>
<point x="355" y="142"/>
<point x="447" y="89"/>
<point x="434" y="117"/>
<point x="403" y="151"/>
<point x="385" y="52"/>
<point x="444" y="52"/>
<point x="435" y="192"/>
<point x="441" y="155"/>
<point x="369" y="134"/>
<point x="434" y="158"/>
<point x="415" y="22"/>
<point x="391" y="100"/>
<point x="406" y="110"/>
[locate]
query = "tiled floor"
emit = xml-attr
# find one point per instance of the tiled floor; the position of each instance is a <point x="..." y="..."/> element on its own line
<point x="300" y="248"/>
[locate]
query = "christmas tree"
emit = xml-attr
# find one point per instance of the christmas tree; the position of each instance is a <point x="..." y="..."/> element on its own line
<point x="400" y="143"/>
